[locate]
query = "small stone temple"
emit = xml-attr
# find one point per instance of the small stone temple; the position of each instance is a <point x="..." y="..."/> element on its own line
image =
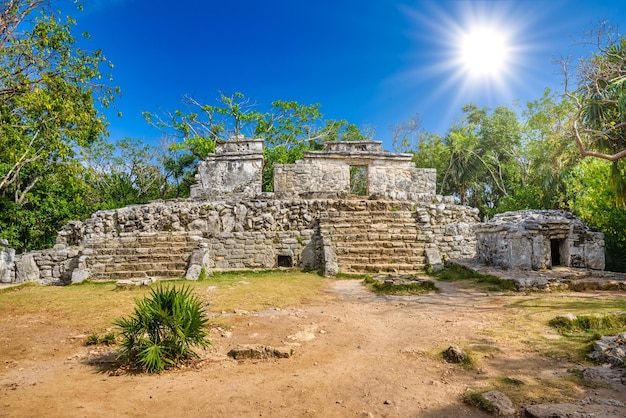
<point x="314" y="219"/>
<point x="539" y="239"/>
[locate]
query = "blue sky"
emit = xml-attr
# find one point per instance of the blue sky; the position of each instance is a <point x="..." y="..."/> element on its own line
<point x="374" y="63"/>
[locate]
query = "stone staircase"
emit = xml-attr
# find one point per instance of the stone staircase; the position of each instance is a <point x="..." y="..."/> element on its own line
<point x="374" y="241"/>
<point x="137" y="256"/>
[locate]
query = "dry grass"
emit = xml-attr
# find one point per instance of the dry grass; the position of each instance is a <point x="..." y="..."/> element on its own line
<point x="525" y="330"/>
<point x="94" y="306"/>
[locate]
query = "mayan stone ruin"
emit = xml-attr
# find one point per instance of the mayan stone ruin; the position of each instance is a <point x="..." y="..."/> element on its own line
<point x="539" y="239"/>
<point x="314" y="220"/>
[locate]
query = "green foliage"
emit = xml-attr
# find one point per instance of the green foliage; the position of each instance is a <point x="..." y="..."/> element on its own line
<point x="483" y="165"/>
<point x="598" y="126"/>
<point x="358" y="180"/>
<point x="608" y="324"/>
<point x="106" y="339"/>
<point x="92" y="339"/>
<point x="593" y="198"/>
<point x="49" y="90"/>
<point x="287" y="127"/>
<point x="164" y="328"/>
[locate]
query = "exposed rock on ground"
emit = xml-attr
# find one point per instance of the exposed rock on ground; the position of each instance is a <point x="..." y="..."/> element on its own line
<point x="259" y="352"/>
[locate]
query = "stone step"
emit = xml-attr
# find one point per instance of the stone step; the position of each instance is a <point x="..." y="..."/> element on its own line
<point x="146" y="266"/>
<point x="387" y="252"/>
<point x="156" y="256"/>
<point x="379" y="268"/>
<point x="373" y="240"/>
<point x="124" y="275"/>
<point x="369" y="224"/>
<point x="363" y="260"/>
<point x="368" y="214"/>
<point x="113" y="245"/>
<point x="378" y="244"/>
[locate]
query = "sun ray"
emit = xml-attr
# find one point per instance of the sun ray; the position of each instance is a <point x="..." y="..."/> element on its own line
<point x="471" y="53"/>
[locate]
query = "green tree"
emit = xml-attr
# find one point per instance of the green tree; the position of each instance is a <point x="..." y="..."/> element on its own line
<point x="429" y="150"/>
<point x="592" y="197"/>
<point x="484" y="157"/>
<point x="599" y="123"/>
<point x="288" y="128"/>
<point x="546" y="155"/>
<point x="128" y="172"/>
<point x="48" y="93"/>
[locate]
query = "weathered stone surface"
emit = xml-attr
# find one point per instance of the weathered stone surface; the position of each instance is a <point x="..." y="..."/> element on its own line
<point x="79" y="275"/>
<point x="539" y="239"/>
<point x="501" y="404"/>
<point x="235" y="168"/>
<point x="433" y="259"/>
<point x="605" y="408"/>
<point x="135" y="282"/>
<point x="198" y="261"/>
<point x="26" y="270"/>
<point x="610" y="349"/>
<point x="7" y="259"/>
<point x="390" y="176"/>
<point x="259" y="352"/>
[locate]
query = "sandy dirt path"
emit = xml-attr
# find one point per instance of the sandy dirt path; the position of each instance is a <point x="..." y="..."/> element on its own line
<point x="356" y="355"/>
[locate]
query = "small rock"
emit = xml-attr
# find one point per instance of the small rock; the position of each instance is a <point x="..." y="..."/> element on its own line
<point x="455" y="354"/>
<point x="252" y="351"/>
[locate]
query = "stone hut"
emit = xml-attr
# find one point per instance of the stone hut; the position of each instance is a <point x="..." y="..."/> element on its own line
<point x="539" y="239"/>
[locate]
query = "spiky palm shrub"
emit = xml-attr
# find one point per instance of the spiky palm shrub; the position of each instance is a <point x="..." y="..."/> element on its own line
<point x="164" y="327"/>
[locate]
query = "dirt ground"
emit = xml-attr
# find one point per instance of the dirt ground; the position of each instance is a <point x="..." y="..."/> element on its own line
<point x="356" y="355"/>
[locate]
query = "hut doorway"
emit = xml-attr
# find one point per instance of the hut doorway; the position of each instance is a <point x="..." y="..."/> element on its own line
<point x="555" y="251"/>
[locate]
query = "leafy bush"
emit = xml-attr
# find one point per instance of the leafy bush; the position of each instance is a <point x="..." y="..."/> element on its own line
<point x="164" y="327"/>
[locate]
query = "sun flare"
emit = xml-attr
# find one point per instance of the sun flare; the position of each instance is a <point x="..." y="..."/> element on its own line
<point x="484" y="51"/>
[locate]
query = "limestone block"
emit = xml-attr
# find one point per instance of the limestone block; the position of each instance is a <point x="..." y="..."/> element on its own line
<point x="26" y="269"/>
<point x="330" y="261"/>
<point x="79" y="275"/>
<point x="7" y="258"/>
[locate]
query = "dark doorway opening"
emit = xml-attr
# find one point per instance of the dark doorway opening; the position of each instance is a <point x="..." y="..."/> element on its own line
<point x="555" y="251"/>
<point x="285" y="261"/>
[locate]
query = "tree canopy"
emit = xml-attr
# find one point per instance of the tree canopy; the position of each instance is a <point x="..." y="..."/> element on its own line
<point x="49" y="89"/>
<point x="288" y="128"/>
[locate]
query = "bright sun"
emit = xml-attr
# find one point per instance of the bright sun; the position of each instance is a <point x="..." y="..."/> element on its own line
<point x="484" y="51"/>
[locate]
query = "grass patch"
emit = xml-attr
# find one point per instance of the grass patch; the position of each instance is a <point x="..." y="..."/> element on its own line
<point x="552" y="390"/>
<point x="475" y="280"/>
<point x="597" y="324"/>
<point x="257" y="291"/>
<point x="351" y="276"/>
<point x="92" y="306"/>
<point x="403" y="289"/>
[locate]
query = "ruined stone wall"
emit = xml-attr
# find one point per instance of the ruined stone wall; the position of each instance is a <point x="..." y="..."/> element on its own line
<point x="235" y="168"/>
<point x="391" y="176"/>
<point x="525" y="240"/>
<point x="306" y="176"/>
